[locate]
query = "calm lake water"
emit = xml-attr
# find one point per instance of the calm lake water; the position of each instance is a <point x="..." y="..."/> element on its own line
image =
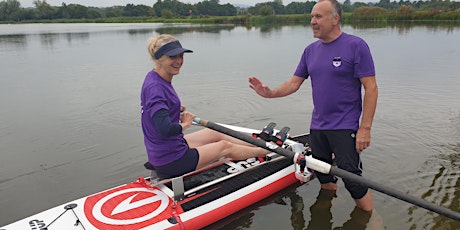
<point x="70" y="122"/>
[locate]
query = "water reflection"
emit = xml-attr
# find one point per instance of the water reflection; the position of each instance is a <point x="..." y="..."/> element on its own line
<point x="406" y="27"/>
<point x="181" y="29"/>
<point x="442" y="172"/>
<point x="447" y="182"/>
<point x="321" y="216"/>
<point x="269" y="28"/>
<point x="359" y="220"/>
<point x="320" y="213"/>
<point x="76" y="36"/>
<point x="244" y="219"/>
<point x="140" y="31"/>
<point x="51" y="37"/>
<point x="48" y="40"/>
<point x="195" y="28"/>
<point x="13" y="41"/>
<point x="297" y="207"/>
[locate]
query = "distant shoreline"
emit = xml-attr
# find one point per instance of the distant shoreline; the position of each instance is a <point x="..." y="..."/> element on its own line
<point x="349" y="18"/>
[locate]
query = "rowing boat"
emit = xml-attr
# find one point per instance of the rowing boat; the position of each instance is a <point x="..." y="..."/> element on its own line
<point x="191" y="201"/>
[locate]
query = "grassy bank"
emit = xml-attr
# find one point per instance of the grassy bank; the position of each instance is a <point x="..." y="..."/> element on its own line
<point x="361" y="15"/>
<point x="378" y="14"/>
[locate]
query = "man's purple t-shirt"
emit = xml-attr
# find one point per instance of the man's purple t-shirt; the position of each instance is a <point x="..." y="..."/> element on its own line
<point x="335" y="69"/>
<point x="157" y="94"/>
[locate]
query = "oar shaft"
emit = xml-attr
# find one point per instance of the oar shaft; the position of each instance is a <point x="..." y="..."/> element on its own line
<point x="328" y="169"/>
<point x="249" y="139"/>
<point x="315" y="164"/>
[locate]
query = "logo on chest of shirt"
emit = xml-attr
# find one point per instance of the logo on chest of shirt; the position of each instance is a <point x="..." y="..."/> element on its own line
<point x="337" y="61"/>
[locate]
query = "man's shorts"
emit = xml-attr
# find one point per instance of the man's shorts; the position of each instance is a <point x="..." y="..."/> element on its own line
<point x="341" y="144"/>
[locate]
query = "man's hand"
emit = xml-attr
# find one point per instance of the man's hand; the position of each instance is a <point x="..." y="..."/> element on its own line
<point x="363" y="139"/>
<point x="259" y="87"/>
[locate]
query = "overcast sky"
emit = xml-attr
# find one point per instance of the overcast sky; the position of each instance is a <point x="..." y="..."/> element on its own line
<point x="105" y="3"/>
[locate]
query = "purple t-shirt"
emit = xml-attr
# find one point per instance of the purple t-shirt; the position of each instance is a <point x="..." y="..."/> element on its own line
<point x="335" y="69"/>
<point x="157" y="94"/>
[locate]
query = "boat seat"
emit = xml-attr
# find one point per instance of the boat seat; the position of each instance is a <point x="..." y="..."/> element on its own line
<point x="177" y="182"/>
<point x="154" y="176"/>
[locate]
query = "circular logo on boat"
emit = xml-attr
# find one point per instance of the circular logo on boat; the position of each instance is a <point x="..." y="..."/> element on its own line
<point x="131" y="206"/>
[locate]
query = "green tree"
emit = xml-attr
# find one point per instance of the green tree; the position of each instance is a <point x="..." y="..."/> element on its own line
<point x="405" y="12"/>
<point x="227" y="10"/>
<point x="383" y="4"/>
<point x="114" y="11"/>
<point x="63" y="11"/>
<point x="45" y="10"/>
<point x="165" y="13"/>
<point x="27" y="14"/>
<point x="299" y="7"/>
<point x="356" y="5"/>
<point x="208" y="7"/>
<point x="10" y="10"/>
<point x="367" y="13"/>
<point x="266" y="10"/>
<point x="94" y="12"/>
<point x="132" y="10"/>
<point x="176" y="7"/>
<point x="347" y="7"/>
<point x="77" y="11"/>
<point x="213" y="8"/>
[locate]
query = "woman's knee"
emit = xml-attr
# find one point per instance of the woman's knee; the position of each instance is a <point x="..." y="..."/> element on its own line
<point x="225" y="147"/>
<point x="225" y="144"/>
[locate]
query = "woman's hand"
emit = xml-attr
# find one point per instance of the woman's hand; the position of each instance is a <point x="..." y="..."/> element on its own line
<point x="182" y="110"/>
<point x="187" y="120"/>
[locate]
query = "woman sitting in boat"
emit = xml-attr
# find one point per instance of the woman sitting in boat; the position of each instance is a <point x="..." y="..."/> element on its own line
<point x="164" y="120"/>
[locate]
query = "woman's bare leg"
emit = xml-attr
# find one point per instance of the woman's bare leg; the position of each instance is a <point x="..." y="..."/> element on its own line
<point x="214" y="151"/>
<point x="207" y="136"/>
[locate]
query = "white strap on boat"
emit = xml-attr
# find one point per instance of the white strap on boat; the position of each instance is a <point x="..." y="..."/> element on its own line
<point x="230" y="163"/>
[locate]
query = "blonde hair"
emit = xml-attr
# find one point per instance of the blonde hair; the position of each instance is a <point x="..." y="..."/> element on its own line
<point x="157" y="42"/>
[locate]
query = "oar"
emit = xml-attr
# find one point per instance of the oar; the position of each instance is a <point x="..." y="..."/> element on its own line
<point x="326" y="168"/>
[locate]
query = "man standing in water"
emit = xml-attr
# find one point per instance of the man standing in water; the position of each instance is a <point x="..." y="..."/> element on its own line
<point x="339" y="65"/>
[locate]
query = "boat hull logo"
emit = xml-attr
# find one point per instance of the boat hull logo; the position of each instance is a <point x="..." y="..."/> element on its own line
<point x="131" y="206"/>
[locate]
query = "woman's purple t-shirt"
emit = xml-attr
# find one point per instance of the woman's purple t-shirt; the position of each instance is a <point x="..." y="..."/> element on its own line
<point x="335" y="69"/>
<point x="157" y="94"/>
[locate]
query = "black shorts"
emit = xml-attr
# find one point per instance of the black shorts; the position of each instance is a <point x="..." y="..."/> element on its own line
<point x="341" y="143"/>
<point x="181" y="166"/>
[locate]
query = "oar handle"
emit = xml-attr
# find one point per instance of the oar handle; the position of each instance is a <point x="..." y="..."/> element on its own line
<point x="233" y="133"/>
<point x="199" y="121"/>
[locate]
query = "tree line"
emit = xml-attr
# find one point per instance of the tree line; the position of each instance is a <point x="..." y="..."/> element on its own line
<point x="12" y="11"/>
